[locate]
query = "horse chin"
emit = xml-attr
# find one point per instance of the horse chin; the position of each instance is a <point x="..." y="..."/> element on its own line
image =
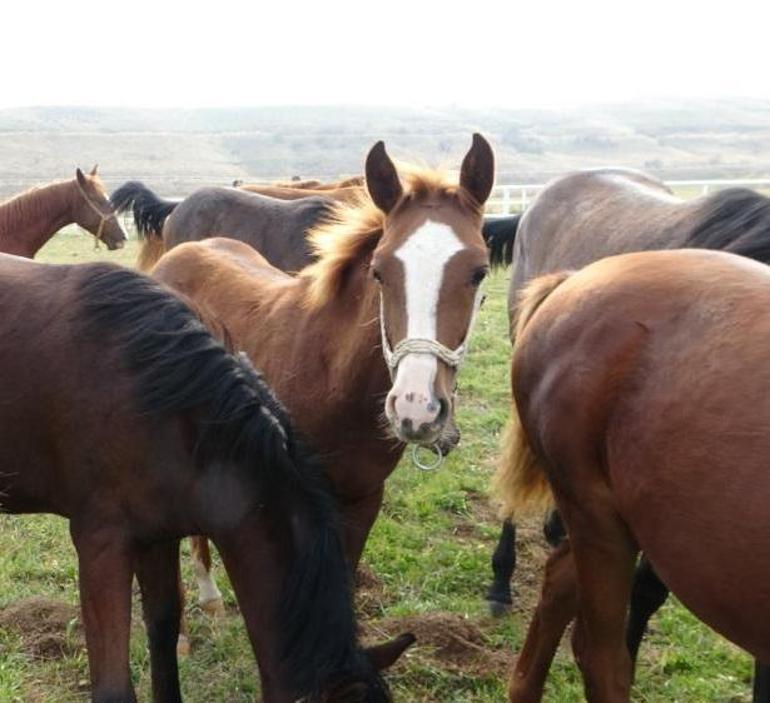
<point x="449" y="438"/>
<point x="112" y="246"/>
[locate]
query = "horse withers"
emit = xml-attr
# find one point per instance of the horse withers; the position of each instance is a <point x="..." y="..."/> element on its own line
<point x="642" y="398"/>
<point x="363" y="346"/>
<point x="137" y="425"/>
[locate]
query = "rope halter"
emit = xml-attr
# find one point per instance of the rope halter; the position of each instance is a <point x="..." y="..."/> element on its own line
<point x="419" y="345"/>
<point x="102" y="217"/>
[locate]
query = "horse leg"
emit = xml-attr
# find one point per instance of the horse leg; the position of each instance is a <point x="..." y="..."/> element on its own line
<point x="357" y="521"/>
<point x="648" y="594"/>
<point x="157" y="570"/>
<point x="605" y="557"/>
<point x="761" y="688"/>
<point x="105" y="575"/>
<point x="555" y="610"/>
<point x="503" y="565"/>
<point x="209" y="596"/>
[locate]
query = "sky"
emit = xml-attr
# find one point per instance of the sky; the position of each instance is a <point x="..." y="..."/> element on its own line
<point x="474" y="53"/>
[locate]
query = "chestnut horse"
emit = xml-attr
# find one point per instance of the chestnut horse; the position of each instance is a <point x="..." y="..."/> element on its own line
<point x="364" y="345"/>
<point x="30" y="219"/>
<point x="642" y="400"/>
<point x="277" y="228"/>
<point x="136" y="425"/>
<point x="587" y="215"/>
<point x="346" y="194"/>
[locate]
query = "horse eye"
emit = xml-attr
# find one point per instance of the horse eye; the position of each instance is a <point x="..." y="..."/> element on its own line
<point x="478" y="276"/>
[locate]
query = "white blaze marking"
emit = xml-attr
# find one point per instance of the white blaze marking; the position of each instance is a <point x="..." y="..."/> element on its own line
<point x="424" y="256"/>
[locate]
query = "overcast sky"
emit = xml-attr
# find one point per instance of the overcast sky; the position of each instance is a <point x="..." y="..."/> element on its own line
<point x="513" y="53"/>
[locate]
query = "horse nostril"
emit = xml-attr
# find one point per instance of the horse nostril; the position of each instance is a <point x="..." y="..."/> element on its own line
<point x="406" y="427"/>
<point x="443" y="412"/>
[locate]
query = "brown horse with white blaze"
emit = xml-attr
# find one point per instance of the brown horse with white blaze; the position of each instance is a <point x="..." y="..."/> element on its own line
<point x="642" y="399"/>
<point x="30" y="219"/>
<point x="364" y="345"/>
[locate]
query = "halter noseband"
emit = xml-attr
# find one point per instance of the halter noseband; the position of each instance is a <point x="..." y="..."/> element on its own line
<point x="420" y="345"/>
<point x="103" y="218"/>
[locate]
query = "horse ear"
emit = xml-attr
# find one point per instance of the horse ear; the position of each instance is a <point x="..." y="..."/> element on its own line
<point x="383" y="656"/>
<point x="382" y="180"/>
<point x="477" y="174"/>
<point x="93" y="170"/>
<point x="81" y="178"/>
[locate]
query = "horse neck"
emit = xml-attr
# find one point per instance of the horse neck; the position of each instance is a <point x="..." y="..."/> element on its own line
<point x="29" y="220"/>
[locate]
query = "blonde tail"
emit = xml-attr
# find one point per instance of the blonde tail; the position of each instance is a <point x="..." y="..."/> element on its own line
<point x="152" y="249"/>
<point x="520" y="480"/>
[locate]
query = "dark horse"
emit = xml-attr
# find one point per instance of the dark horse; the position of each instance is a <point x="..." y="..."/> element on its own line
<point x="580" y="218"/>
<point x="641" y="389"/>
<point x="275" y="228"/>
<point x="136" y="425"/>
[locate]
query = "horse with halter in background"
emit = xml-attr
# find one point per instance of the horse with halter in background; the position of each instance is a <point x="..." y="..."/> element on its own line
<point x="641" y="390"/>
<point x="364" y="345"/>
<point x="585" y="216"/>
<point x="30" y="219"/>
<point x="277" y="228"/>
<point x="137" y="425"/>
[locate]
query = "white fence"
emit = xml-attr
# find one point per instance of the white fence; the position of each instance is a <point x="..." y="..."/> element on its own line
<point x="506" y="199"/>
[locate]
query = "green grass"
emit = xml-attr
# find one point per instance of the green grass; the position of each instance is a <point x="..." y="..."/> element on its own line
<point x="429" y="550"/>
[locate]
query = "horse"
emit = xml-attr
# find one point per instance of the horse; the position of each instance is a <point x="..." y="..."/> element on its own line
<point x="139" y="427"/>
<point x="362" y="346"/>
<point x="345" y="194"/>
<point x="319" y="185"/>
<point x="30" y="219"/>
<point x="582" y="217"/>
<point x="641" y="402"/>
<point x="277" y="228"/>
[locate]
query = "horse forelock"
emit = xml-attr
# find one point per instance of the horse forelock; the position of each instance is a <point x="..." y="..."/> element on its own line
<point x="351" y="230"/>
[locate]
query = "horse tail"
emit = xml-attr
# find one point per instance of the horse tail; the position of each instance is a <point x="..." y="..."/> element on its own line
<point x="520" y="479"/>
<point x="499" y="234"/>
<point x="150" y="211"/>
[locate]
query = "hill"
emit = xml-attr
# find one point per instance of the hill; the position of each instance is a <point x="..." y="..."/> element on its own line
<point x="178" y="150"/>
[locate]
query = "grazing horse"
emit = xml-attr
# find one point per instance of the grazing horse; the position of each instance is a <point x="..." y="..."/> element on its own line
<point x="641" y="393"/>
<point x="138" y="426"/>
<point x="30" y="219"/>
<point x="346" y="194"/>
<point x="318" y="185"/>
<point x="363" y="346"/>
<point x="277" y="228"/>
<point x="587" y="215"/>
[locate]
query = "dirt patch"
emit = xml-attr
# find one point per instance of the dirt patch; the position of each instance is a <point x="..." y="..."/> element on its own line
<point x="454" y="642"/>
<point x="371" y="596"/>
<point x="48" y="629"/>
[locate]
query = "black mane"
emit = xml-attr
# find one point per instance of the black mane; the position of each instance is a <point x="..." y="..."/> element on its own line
<point x="736" y="220"/>
<point x="179" y="366"/>
<point x="499" y="234"/>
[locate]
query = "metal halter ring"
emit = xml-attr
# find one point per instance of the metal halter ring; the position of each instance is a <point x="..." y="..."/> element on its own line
<point x="427" y="467"/>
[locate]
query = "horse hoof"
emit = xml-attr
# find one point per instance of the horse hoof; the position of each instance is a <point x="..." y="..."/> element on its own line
<point x="214" y="608"/>
<point x="498" y="609"/>
<point x="183" y="646"/>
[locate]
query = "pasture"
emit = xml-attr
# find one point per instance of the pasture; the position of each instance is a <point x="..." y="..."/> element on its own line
<point x="426" y="569"/>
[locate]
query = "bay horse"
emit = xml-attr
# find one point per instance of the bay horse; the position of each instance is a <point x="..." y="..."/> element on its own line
<point x="30" y="219"/>
<point x="641" y="393"/>
<point x="137" y="425"/>
<point x="580" y="218"/>
<point x="362" y="346"/>
<point x="277" y="228"/>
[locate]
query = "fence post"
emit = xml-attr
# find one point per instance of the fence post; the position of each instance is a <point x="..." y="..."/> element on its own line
<point x="506" y="201"/>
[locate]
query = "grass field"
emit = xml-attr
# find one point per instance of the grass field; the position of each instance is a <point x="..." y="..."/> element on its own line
<point x="426" y="568"/>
